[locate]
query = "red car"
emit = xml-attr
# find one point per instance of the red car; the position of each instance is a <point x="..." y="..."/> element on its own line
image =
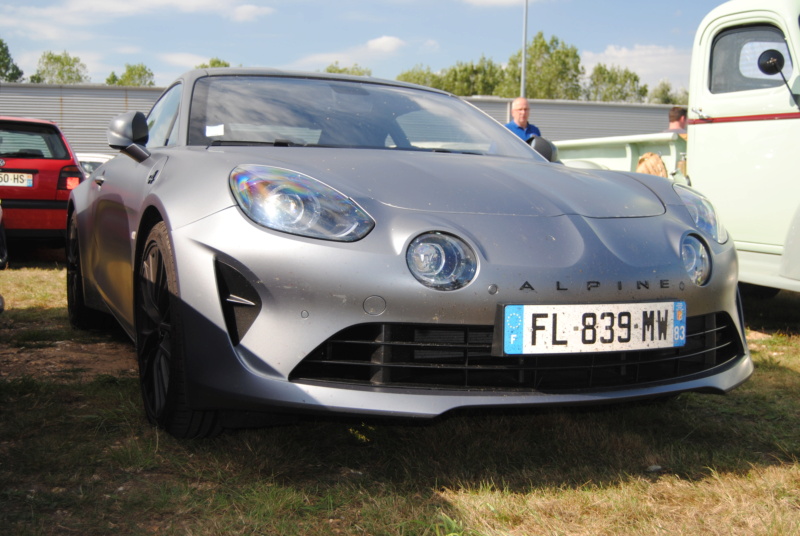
<point x="37" y="171"/>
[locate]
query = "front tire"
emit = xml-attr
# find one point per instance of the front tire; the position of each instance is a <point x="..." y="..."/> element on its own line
<point x="159" y="343"/>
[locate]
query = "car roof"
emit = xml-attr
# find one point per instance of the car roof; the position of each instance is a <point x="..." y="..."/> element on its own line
<point x="190" y="77"/>
<point x="27" y="120"/>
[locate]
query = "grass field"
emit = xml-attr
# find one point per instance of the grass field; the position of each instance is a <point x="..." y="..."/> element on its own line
<point x="78" y="457"/>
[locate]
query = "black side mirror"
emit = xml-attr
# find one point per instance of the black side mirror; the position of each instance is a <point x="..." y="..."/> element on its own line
<point x="128" y="133"/>
<point x="544" y="147"/>
<point x="771" y="62"/>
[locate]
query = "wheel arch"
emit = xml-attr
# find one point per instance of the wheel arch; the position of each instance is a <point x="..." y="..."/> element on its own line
<point x="149" y="219"/>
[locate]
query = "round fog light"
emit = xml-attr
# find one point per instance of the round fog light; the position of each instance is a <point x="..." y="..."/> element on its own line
<point x="441" y="261"/>
<point x="696" y="260"/>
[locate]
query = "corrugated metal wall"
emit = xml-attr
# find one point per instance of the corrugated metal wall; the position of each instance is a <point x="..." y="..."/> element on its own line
<point x="567" y="120"/>
<point x="84" y="111"/>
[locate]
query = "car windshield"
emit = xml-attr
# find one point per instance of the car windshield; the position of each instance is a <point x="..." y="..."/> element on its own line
<point x="24" y="140"/>
<point x="284" y="111"/>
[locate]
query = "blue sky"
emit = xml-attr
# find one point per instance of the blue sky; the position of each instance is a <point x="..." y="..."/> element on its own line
<point x="653" y="39"/>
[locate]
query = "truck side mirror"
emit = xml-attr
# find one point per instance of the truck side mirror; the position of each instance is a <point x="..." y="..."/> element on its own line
<point x="771" y="62"/>
<point x="128" y="133"/>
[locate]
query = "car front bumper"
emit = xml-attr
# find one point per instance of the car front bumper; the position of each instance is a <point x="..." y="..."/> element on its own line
<point x="258" y="306"/>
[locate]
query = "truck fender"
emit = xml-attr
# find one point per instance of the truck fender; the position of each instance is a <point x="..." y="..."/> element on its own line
<point x="790" y="261"/>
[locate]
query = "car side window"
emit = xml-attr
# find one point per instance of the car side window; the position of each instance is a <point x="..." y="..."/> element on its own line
<point x="162" y="122"/>
<point x="734" y="59"/>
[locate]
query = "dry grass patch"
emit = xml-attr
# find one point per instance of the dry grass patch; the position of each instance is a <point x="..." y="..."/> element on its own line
<point x="78" y="457"/>
<point x="764" y="501"/>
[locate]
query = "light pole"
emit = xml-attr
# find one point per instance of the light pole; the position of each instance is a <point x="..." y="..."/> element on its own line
<point x="524" y="50"/>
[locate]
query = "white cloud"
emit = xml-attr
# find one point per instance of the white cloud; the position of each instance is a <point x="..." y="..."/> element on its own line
<point x="179" y="59"/>
<point x="59" y="20"/>
<point x="249" y="13"/>
<point x="125" y="7"/>
<point x="431" y="45"/>
<point x="499" y="3"/>
<point x="651" y="62"/>
<point x="494" y="3"/>
<point x="75" y="21"/>
<point x="373" y="51"/>
<point x="131" y="49"/>
<point x="385" y="44"/>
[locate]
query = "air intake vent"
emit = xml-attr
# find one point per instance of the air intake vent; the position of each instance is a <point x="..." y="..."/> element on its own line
<point x="459" y="357"/>
<point x="239" y="300"/>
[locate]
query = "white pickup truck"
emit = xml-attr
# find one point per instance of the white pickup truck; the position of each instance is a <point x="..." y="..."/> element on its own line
<point x="742" y="149"/>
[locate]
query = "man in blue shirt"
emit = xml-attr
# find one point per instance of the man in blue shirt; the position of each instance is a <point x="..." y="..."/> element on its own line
<point x="520" y="126"/>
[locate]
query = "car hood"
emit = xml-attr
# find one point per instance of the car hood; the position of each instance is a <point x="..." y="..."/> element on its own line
<point x="466" y="183"/>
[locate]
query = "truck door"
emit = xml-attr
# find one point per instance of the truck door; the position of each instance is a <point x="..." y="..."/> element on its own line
<point x="744" y="127"/>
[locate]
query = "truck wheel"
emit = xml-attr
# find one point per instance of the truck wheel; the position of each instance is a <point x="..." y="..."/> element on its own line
<point x="159" y="343"/>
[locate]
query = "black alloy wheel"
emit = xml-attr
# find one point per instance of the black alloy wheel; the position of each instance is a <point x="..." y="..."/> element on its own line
<point x="159" y="343"/>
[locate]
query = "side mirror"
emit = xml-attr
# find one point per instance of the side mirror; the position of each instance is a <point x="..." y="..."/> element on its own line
<point x="771" y="62"/>
<point x="544" y="147"/>
<point x="128" y="133"/>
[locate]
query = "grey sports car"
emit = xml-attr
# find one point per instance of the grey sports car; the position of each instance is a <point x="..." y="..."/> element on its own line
<point x="277" y="242"/>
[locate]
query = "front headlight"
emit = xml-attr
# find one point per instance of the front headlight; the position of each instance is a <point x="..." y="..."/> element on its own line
<point x="441" y="261"/>
<point x="294" y="203"/>
<point x="696" y="260"/>
<point x="702" y="212"/>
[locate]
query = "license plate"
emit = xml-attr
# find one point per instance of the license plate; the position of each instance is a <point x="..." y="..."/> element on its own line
<point x="16" y="179"/>
<point x="561" y="329"/>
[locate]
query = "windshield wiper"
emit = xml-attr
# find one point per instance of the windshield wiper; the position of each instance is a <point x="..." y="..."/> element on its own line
<point x="443" y="150"/>
<point x="274" y="143"/>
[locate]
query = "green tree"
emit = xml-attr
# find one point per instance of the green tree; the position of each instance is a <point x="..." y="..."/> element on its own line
<point x="614" y="84"/>
<point x="469" y="78"/>
<point x="664" y="94"/>
<point x="60" y="69"/>
<point x="134" y="75"/>
<point x="9" y="71"/>
<point x="355" y="69"/>
<point x="213" y="62"/>
<point x="553" y="71"/>
<point x="422" y="76"/>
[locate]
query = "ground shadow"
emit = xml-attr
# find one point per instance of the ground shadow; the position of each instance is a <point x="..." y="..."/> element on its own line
<point x="779" y="314"/>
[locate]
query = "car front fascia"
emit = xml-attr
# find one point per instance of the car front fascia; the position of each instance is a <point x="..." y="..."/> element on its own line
<point x="311" y="289"/>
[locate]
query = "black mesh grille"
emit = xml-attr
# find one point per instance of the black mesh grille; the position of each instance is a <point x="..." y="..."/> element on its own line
<point x="459" y="357"/>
